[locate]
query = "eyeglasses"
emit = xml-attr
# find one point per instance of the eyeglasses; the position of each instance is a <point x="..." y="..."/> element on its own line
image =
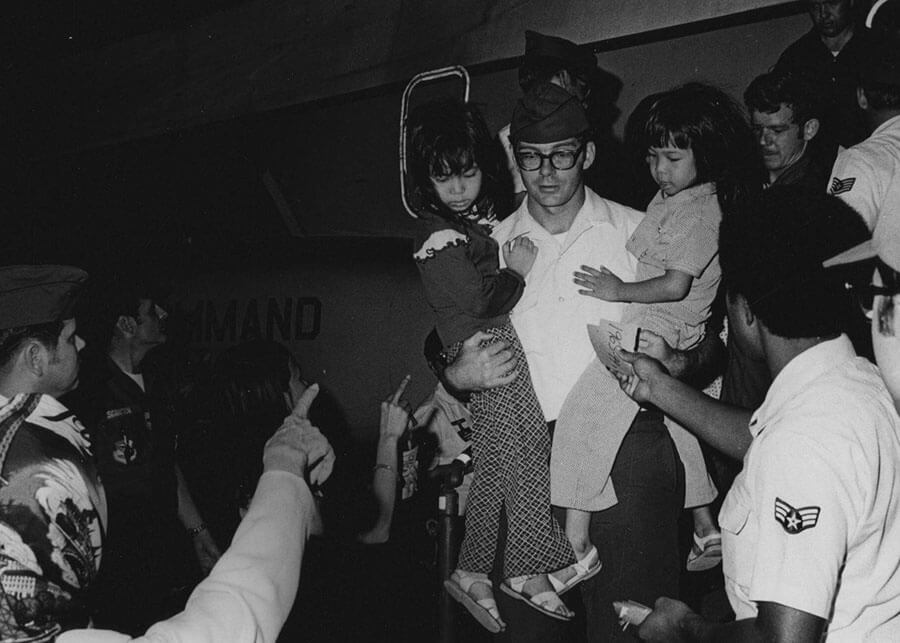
<point x="865" y="294"/>
<point x="531" y="160"/>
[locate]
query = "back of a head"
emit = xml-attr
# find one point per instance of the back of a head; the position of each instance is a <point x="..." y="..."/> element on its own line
<point x="248" y="386"/>
<point x="768" y="92"/>
<point x="771" y="252"/>
<point x="108" y="297"/>
<point x="880" y="75"/>
<point x="546" y="56"/>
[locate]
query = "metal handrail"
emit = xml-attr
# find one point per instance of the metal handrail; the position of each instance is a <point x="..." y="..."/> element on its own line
<point x="418" y="79"/>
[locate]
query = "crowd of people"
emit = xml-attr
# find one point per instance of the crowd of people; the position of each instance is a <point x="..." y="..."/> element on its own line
<point x="761" y="375"/>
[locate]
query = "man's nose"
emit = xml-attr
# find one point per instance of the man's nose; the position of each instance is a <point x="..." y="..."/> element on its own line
<point x="79" y="343"/>
<point x="547" y="167"/>
<point x="456" y="186"/>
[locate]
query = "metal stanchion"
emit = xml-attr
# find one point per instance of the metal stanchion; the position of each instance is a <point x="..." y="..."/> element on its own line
<point x="450" y="477"/>
<point x="448" y="546"/>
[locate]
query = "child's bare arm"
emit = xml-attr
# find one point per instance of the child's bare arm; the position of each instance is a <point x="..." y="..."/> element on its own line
<point x="674" y="285"/>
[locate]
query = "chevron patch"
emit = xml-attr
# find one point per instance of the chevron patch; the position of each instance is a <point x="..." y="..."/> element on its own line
<point x="795" y="520"/>
<point x="839" y="186"/>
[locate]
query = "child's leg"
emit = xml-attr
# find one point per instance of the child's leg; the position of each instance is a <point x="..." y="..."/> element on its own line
<point x="535" y="542"/>
<point x="578" y="524"/>
<point x="485" y="500"/>
<point x="706" y="550"/>
<point x="699" y="489"/>
<point x="704" y="523"/>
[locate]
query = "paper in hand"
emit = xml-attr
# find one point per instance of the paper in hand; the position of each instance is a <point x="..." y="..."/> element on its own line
<point x="608" y="337"/>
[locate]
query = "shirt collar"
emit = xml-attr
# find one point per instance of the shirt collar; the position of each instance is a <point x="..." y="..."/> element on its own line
<point x="891" y="122"/>
<point x="687" y="194"/>
<point x="797" y="375"/>
<point x="593" y="212"/>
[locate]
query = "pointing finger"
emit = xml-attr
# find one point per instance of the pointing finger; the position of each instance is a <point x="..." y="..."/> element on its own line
<point x="400" y="389"/>
<point x="301" y="409"/>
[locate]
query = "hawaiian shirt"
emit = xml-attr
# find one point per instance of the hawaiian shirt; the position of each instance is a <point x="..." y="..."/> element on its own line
<point x="52" y="518"/>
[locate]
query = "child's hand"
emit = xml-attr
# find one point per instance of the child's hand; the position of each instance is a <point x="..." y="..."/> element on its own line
<point x="601" y="283"/>
<point x="519" y="254"/>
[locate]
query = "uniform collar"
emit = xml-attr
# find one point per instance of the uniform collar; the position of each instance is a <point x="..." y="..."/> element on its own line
<point x="593" y="212"/>
<point x="797" y="375"/>
<point x="889" y="123"/>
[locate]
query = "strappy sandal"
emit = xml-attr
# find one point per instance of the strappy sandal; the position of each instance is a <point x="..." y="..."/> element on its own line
<point x="586" y="568"/>
<point x="547" y="602"/>
<point x="483" y="610"/>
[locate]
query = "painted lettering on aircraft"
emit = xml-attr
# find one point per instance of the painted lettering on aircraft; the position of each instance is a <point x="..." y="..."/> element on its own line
<point x="237" y="320"/>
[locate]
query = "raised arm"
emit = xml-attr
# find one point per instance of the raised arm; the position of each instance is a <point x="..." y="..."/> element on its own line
<point x="722" y="426"/>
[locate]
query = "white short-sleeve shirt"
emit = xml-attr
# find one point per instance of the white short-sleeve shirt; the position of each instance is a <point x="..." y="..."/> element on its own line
<point x="812" y="522"/>
<point x="867" y="175"/>
<point x="511" y="165"/>
<point x="551" y="318"/>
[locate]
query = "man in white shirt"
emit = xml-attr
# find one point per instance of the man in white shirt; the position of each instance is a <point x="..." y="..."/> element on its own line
<point x="573" y="227"/>
<point x="811" y="538"/>
<point x="867" y="176"/>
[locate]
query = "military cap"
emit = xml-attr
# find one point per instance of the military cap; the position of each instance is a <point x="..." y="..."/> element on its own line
<point x="32" y="295"/>
<point x="546" y="114"/>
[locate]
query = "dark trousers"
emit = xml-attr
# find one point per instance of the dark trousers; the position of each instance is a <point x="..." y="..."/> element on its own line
<point x="637" y="540"/>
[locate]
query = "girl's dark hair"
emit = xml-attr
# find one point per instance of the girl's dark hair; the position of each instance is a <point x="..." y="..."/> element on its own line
<point x="448" y="136"/>
<point x="249" y="383"/>
<point x="707" y="121"/>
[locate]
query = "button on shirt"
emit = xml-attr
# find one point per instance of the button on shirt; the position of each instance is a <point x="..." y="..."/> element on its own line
<point x="551" y="318"/>
<point x="812" y="520"/>
<point x="867" y="176"/>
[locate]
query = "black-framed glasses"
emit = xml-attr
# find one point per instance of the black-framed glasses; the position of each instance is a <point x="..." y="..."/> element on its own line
<point x="531" y="160"/>
<point x="865" y="294"/>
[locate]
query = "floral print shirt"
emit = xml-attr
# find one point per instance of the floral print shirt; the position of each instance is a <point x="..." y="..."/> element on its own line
<point x="52" y="517"/>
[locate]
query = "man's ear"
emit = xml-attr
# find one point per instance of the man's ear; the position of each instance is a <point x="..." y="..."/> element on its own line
<point x="35" y="358"/>
<point x="861" y="99"/>
<point x="743" y="309"/>
<point x="126" y="325"/>
<point x="810" y="129"/>
<point x="590" y="152"/>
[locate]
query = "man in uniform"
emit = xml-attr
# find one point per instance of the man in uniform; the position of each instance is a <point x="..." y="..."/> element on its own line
<point x="134" y="432"/>
<point x="52" y="508"/>
<point x="554" y="60"/>
<point x="832" y="54"/>
<point x="867" y="176"/>
<point x="784" y="115"/>
<point x="811" y="538"/>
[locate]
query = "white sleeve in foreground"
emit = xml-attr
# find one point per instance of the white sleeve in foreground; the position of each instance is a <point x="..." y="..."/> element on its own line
<point x="250" y="591"/>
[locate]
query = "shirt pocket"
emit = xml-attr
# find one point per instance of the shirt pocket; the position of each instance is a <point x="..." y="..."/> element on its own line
<point x="734" y="514"/>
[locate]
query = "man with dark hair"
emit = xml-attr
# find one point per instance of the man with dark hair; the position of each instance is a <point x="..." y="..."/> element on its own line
<point x="52" y="508"/>
<point x="133" y="433"/>
<point x="832" y="54"/>
<point x="572" y="227"/>
<point x="784" y="113"/>
<point x="867" y="176"/>
<point x="810" y="531"/>
<point x="549" y="59"/>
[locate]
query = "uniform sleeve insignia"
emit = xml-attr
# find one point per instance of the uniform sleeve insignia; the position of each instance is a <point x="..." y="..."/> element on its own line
<point x="438" y="241"/>
<point x="795" y="520"/>
<point x="839" y="186"/>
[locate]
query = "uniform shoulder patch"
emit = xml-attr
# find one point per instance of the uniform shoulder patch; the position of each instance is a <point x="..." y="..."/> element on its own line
<point x="839" y="186"/>
<point x="795" y="519"/>
<point x="439" y="240"/>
